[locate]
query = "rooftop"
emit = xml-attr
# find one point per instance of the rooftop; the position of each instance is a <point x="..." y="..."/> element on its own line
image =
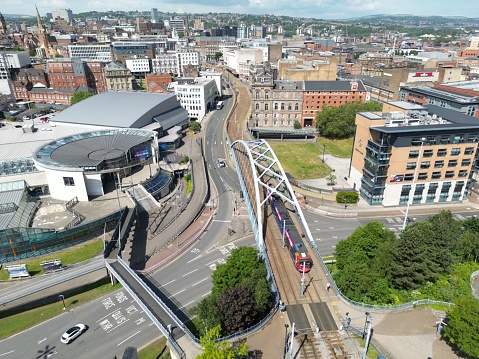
<point x="444" y="94"/>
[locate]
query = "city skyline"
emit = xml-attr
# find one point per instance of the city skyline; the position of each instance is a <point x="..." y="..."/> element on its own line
<point x="323" y="9"/>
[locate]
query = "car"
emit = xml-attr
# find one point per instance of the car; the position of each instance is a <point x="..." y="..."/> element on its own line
<point x="25" y="118"/>
<point x="73" y="333"/>
<point x="221" y="162"/>
<point x="18" y="126"/>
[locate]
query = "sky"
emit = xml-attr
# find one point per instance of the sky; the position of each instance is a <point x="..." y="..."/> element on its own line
<point x="320" y="9"/>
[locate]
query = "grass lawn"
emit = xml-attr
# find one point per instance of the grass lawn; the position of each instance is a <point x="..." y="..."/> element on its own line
<point x="338" y="148"/>
<point x="300" y="159"/>
<point x="154" y="350"/>
<point x="78" y="253"/>
<point x="12" y="322"/>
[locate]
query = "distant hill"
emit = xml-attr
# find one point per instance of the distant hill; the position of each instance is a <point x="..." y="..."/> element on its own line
<point x="385" y="19"/>
<point x="17" y="16"/>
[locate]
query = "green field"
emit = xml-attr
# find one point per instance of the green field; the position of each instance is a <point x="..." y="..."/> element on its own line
<point x="154" y="350"/>
<point x="338" y="148"/>
<point x="78" y="253"/>
<point x="300" y="159"/>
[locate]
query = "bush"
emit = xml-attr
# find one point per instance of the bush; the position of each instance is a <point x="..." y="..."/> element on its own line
<point x="195" y="126"/>
<point x="350" y="197"/>
<point x="297" y="125"/>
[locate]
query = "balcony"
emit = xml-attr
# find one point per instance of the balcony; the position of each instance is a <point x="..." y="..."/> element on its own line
<point x="378" y="148"/>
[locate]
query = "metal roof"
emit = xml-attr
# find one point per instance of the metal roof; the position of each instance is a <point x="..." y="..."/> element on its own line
<point x="119" y="109"/>
<point x="331" y="86"/>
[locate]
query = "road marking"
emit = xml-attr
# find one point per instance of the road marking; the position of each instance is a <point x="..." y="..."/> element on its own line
<point x="219" y="220"/>
<point x="200" y="281"/>
<point x="194" y="259"/>
<point x="390" y="220"/>
<point x="331" y="227"/>
<point x="318" y="239"/>
<point x="116" y="310"/>
<point x="184" y="305"/>
<point x="112" y="329"/>
<point x="194" y="270"/>
<point x="318" y="229"/>
<point x="131" y="336"/>
<point x="174" y="295"/>
<point x="335" y="237"/>
<point x="168" y="283"/>
<point x="204" y="295"/>
<point x="1" y="355"/>
<point x="41" y="341"/>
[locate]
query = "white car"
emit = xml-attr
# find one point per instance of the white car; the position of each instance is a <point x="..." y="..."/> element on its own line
<point x="73" y="333"/>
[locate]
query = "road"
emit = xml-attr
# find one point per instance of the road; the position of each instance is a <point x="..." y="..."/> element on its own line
<point x="115" y="322"/>
<point x="328" y="231"/>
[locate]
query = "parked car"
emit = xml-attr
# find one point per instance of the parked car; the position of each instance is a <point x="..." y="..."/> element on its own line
<point x="72" y="333"/>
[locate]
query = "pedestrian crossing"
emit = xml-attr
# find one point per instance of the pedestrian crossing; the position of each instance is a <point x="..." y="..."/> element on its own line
<point x="395" y="224"/>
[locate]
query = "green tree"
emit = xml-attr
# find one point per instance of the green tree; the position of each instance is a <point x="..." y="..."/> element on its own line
<point x="32" y="53"/>
<point x="57" y="55"/>
<point x="206" y="315"/>
<point x="238" y="309"/>
<point x="218" y="55"/>
<point x="221" y="350"/>
<point x="461" y="328"/>
<point x="297" y="125"/>
<point x="195" y="126"/>
<point x="331" y="179"/>
<point x="80" y="96"/>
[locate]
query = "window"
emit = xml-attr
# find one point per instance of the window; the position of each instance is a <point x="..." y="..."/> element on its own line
<point x="275" y="106"/>
<point x="466" y="162"/>
<point x="282" y="106"/>
<point x="436" y="175"/>
<point x="422" y="176"/>
<point x="68" y="181"/>
<point x="472" y="138"/>
<point x="425" y="164"/>
<point x="411" y="165"/>
<point x="427" y="153"/>
<point x="469" y="151"/>
<point x="257" y="106"/>
<point x="445" y="140"/>
<point x="441" y="152"/>
<point x="296" y="107"/>
<point x="463" y="173"/>
<point x="266" y="107"/>
<point x="289" y="107"/>
<point x="408" y="177"/>
<point x="449" y="174"/>
<point x="266" y="95"/>
<point x="413" y="154"/>
<point x="458" y="139"/>
<point x="452" y="163"/>
<point x="432" y="188"/>
<point x="455" y="151"/>
<point x="257" y="95"/>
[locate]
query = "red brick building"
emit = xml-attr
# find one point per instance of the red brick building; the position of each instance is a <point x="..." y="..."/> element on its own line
<point x="24" y="81"/>
<point x="158" y="82"/>
<point x="332" y="93"/>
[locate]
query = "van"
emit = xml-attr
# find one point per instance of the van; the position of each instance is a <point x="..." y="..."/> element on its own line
<point x="221" y="162"/>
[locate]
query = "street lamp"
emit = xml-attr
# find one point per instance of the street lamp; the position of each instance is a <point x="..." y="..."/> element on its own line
<point x="324" y="151"/>
<point x="62" y="298"/>
<point x="411" y="193"/>
<point x="286" y="326"/>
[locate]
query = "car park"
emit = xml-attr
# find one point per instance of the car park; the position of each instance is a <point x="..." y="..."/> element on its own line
<point x="73" y="333"/>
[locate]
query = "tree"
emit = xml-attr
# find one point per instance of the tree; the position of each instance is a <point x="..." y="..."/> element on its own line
<point x="195" y="126"/>
<point x="218" y="55"/>
<point x="297" y="125"/>
<point x="331" y="179"/>
<point x="238" y="309"/>
<point x="461" y="327"/>
<point x="339" y="122"/>
<point x="221" y="350"/>
<point x="206" y="315"/>
<point x="80" y="96"/>
<point x="32" y="53"/>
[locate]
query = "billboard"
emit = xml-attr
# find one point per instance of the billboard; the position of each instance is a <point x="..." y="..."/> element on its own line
<point x="423" y="74"/>
<point x="396" y="178"/>
<point x="17" y="271"/>
<point x="142" y="152"/>
<point x="51" y="266"/>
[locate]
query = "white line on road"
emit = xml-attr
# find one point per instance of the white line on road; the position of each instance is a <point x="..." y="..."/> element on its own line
<point x="318" y="239"/>
<point x="200" y="281"/>
<point x="194" y="259"/>
<point x="131" y="336"/>
<point x="184" y="305"/>
<point x="168" y="283"/>
<point x="318" y="229"/>
<point x="174" y="295"/>
<point x="219" y="220"/>
<point x="204" y="295"/>
<point x="194" y="270"/>
<point x="1" y="355"/>
<point x="116" y="310"/>
<point x="112" y="329"/>
<point x="41" y="341"/>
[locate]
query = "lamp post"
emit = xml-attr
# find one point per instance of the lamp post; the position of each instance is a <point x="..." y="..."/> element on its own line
<point x="324" y="151"/>
<point x="367" y="331"/>
<point x="411" y="193"/>
<point x="345" y="203"/>
<point x="286" y="326"/>
<point x="62" y="298"/>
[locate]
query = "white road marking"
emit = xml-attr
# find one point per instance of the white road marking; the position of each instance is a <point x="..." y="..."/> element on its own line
<point x="204" y="295"/>
<point x="219" y="220"/>
<point x="1" y="355"/>
<point x="168" y="283"/>
<point x="194" y="259"/>
<point x="131" y="336"/>
<point x="331" y="227"/>
<point x="41" y="341"/>
<point x="318" y="229"/>
<point x="318" y="239"/>
<point x="174" y="295"/>
<point x="184" y="305"/>
<point x="194" y="270"/>
<point x="200" y="281"/>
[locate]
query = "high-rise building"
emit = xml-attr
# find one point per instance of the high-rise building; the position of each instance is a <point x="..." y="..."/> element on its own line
<point x="178" y="24"/>
<point x="3" y="25"/>
<point x="65" y="14"/>
<point x="154" y="15"/>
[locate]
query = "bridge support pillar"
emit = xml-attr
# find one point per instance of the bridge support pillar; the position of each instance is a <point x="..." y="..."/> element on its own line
<point x="113" y="279"/>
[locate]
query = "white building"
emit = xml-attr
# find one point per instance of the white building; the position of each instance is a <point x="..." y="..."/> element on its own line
<point x="197" y="96"/>
<point x="17" y="59"/>
<point x="178" y="24"/>
<point x="165" y="63"/>
<point x="5" y="83"/>
<point x="239" y="60"/>
<point x="187" y="57"/>
<point x="65" y="14"/>
<point x="95" y="52"/>
<point x="139" y="66"/>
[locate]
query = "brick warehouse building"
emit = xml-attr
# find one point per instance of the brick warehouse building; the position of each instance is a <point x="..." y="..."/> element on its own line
<point x="426" y="152"/>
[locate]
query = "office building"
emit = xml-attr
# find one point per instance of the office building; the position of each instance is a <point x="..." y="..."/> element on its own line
<point x="413" y="153"/>
<point x="65" y="14"/>
<point x="154" y="16"/>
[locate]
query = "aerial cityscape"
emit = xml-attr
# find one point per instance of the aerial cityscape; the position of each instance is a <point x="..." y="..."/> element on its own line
<point x="239" y="180"/>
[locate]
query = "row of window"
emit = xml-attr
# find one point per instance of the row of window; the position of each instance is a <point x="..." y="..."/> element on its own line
<point x="444" y="139"/>
<point x="438" y="164"/>
<point x="435" y="175"/>
<point x="276" y="115"/>
<point x="456" y="151"/>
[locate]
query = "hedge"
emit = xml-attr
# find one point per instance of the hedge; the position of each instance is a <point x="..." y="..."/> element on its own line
<point x="349" y="196"/>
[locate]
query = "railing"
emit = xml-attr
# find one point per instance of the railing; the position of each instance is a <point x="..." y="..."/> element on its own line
<point x="77" y="217"/>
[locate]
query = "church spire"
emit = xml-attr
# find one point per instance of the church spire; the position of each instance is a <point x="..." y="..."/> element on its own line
<point x="43" y="36"/>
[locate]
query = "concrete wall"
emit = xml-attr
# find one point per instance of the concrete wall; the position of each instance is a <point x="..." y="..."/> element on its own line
<point x="59" y="190"/>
